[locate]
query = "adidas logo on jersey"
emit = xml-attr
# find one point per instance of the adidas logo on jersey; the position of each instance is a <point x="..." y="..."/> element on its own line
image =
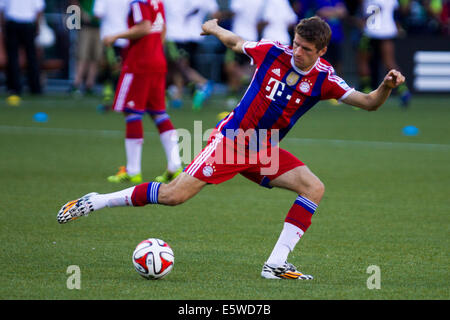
<point x="276" y="71"/>
<point x="158" y="24"/>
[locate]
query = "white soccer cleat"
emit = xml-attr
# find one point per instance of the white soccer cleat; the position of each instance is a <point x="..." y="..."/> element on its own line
<point x="76" y="208"/>
<point x="285" y="271"/>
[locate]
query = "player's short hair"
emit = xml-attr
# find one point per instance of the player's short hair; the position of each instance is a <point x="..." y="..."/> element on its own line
<point x="314" y="30"/>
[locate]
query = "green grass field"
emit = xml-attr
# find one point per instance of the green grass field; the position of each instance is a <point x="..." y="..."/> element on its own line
<point x="387" y="203"/>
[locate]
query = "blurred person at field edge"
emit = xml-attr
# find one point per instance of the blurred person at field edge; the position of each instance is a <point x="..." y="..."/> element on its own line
<point x="175" y="14"/>
<point x="113" y="19"/>
<point x="89" y="49"/>
<point x="333" y="12"/>
<point x="247" y="18"/>
<point x="377" y="44"/>
<point x="20" y="22"/>
<point x="184" y="21"/>
<point x="277" y="27"/>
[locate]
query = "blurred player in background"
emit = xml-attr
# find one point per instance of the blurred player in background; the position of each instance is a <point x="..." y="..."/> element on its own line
<point x="19" y="21"/>
<point x="200" y="9"/>
<point x="288" y="82"/>
<point x="333" y="12"/>
<point x="377" y="44"/>
<point x="113" y="19"/>
<point x="248" y="16"/>
<point x="141" y="89"/>
<point x="184" y="19"/>
<point x="89" y="50"/>
<point x="277" y="26"/>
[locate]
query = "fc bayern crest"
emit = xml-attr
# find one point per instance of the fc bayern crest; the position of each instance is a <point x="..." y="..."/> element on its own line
<point x="208" y="171"/>
<point x="304" y="86"/>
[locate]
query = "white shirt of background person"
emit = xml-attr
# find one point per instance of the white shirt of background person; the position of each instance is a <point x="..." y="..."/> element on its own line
<point x="279" y="15"/>
<point x="199" y="10"/>
<point x="176" y="11"/>
<point x="23" y="11"/>
<point x="380" y="22"/>
<point x="247" y="14"/>
<point x="113" y="18"/>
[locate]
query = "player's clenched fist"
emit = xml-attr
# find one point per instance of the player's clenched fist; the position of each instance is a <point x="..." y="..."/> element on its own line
<point x="209" y="26"/>
<point x="393" y="79"/>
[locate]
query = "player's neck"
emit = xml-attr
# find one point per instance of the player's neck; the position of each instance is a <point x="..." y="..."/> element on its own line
<point x="304" y="70"/>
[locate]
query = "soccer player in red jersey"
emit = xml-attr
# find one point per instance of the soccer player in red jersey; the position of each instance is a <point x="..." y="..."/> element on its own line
<point x="287" y="83"/>
<point x="141" y="89"/>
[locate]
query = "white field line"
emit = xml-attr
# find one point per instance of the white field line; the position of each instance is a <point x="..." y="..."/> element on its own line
<point x="371" y="144"/>
<point x="289" y="140"/>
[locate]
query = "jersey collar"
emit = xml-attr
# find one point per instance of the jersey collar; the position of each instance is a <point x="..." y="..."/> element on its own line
<point x="303" y="73"/>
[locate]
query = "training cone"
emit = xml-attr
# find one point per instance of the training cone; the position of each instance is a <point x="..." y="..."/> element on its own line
<point x="40" y="117"/>
<point x="13" y="100"/>
<point x="410" y="131"/>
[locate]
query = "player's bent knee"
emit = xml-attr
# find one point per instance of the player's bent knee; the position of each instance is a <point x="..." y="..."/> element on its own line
<point x="319" y="189"/>
<point x="314" y="191"/>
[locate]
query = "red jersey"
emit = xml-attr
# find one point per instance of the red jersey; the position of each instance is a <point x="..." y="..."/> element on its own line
<point x="147" y="53"/>
<point x="280" y="93"/>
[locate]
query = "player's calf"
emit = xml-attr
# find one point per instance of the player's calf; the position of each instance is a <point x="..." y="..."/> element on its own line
<point x="174" y="193"/>
<point x="180" y="190"/>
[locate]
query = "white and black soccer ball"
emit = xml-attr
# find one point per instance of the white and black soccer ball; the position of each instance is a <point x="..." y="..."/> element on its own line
<point x="153" y="259"/>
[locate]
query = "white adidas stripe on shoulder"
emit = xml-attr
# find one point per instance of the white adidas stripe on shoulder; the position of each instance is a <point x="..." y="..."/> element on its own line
<point x="283" y="47"/>
<point x="322" y="67"/>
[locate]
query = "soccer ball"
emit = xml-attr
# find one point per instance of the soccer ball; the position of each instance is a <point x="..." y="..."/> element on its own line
<point x="153" y="259"/>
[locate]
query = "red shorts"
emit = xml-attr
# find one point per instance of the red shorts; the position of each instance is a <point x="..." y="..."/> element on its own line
<point x="221" y="160"/>
<point x="141" y="92"/>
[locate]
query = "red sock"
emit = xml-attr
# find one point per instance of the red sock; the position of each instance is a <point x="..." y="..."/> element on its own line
<point x="134" y="129"/>
<point x="301" y="213"/>
<point x="145" y="193"/>
<point x="139" y="195"/>
<point x="163" y="122"/>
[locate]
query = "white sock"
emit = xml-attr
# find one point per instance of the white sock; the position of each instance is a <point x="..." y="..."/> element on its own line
<point x="120" y="198"/>
<point x="287" y="241"/>
<point x="133" y="149"/>
<point x="169" y="140"/>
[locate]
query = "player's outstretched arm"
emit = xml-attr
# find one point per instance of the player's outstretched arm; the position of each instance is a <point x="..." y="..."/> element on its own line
<point x="375" y="99"/>
<point x="228" y="38"/>
<point x="137" y="31"/>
